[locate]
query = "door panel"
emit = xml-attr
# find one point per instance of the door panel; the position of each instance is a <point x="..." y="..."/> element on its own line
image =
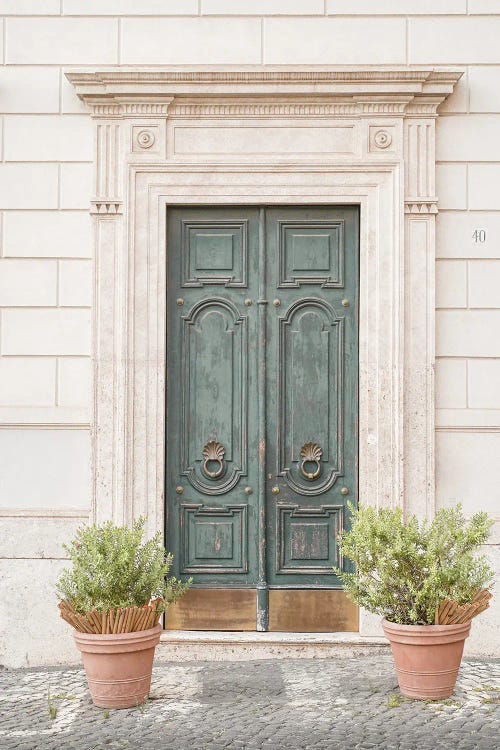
<point x="261" y="450"/>
<point x="211" y="393"/>
<point x="311" y="390"/>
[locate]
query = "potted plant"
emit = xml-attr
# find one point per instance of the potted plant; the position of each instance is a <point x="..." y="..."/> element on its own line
<point x="426" y="581"/>
<point x="114" y="596"/>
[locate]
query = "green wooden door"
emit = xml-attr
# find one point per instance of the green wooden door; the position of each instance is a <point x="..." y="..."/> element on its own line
<point x="262" y="373"/>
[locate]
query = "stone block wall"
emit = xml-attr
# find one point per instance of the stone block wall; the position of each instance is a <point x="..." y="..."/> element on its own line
<point x="46" y="244"/>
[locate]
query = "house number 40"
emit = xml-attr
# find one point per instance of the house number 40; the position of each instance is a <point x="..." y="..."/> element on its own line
<point x="479" y="236"/>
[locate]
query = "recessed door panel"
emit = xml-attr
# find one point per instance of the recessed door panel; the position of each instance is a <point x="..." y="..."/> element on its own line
<point x="310" y="253"/>
<point x="261" y="457"/>
<point x="214" y="539"/>
<point x="214" y="395"/>
<point x="310" y="409"/>
<point x="306" y="538"/>
<point x="214" y="252"/>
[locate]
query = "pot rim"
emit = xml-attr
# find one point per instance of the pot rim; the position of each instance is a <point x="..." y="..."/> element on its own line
<point x="430" y="629"/>
<point x="108" y="637"/>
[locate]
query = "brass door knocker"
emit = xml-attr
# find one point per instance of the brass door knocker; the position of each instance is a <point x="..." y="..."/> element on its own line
<point x="310" y="453"/>
<point x="213" y="451"/>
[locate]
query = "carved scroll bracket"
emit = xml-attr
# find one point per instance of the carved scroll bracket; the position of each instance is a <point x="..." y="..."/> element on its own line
<point x="420" y="164"/>
<point x="421" y="206"/>
<point x="106" y="207"/>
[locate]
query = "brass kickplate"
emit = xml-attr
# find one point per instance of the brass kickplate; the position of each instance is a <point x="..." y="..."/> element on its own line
<point x="214" y="609"/>
<point x="312" y="611"/>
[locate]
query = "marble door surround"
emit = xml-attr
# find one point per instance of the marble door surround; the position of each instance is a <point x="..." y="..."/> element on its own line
<point x="263" y="136"/>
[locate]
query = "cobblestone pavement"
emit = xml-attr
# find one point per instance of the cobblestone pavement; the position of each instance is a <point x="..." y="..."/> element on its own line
<point x="322" y="703"/>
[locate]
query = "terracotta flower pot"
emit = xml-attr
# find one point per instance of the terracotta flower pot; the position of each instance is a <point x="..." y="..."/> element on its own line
<point x="118" y="667"/>
<point x="427" y="657"/>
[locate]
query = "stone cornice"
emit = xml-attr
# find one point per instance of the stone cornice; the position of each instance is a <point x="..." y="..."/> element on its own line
<point x="118" y="92"/>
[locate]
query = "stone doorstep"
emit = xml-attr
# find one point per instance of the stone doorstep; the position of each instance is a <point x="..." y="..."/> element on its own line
<point x="183" y="645"/>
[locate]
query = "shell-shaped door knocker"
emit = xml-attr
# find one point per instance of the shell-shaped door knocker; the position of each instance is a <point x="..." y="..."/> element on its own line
<point x="213" y="451"/>
<point x="310" y="453"/>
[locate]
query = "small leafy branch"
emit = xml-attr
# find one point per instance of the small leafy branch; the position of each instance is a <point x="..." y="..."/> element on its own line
<point x="406" y="569"/>
<point x="51" y="706"/>
<point x="115" y="575"/>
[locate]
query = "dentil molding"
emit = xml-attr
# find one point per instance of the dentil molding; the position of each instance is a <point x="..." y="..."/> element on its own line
<point x="273" y="135"/>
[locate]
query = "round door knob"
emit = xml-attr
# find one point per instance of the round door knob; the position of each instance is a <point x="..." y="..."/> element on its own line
<point x="276" y="302"/>
<point x="248" y="490"/>
<point x="344" y="491"/>
<point x="248" y="302"/>
<point x="275" y="490"/>
<point x="179" y="490"/>
<point x="345" y="302"/>
<point x="180" y="301"/>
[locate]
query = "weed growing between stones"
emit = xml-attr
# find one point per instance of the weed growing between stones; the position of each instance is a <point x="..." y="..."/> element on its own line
<point x="52" y="708"/>
<point x="394" y="700"/>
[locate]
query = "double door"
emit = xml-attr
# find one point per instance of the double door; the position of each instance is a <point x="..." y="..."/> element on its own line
<point x="262" y="403"/>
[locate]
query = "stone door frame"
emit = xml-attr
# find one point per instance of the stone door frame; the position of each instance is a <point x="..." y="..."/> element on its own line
<point x="264" y="136"/>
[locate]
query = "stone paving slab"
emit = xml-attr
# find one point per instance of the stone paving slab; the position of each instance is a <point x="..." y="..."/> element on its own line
<point x="291" y="704"/>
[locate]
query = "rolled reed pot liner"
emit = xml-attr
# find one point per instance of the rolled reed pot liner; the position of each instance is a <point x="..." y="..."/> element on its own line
<point x="119" y="620"/>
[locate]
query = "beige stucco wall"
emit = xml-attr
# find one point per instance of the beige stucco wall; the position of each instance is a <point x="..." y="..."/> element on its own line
<point x="46" y="249"/>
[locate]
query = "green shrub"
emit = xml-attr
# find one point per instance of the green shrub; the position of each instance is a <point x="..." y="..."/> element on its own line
<point x="112" y="567"/>
<point x="405" y="569"/>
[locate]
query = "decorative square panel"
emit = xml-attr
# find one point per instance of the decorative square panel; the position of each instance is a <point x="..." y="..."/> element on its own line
<point x="214" y="540"/>
<point x="214" y="253"/>
<point x="145" y="139"/>
<point x="311" y="253"/>
<point x="307" y="539"/>
<point x="382" y="138"/>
